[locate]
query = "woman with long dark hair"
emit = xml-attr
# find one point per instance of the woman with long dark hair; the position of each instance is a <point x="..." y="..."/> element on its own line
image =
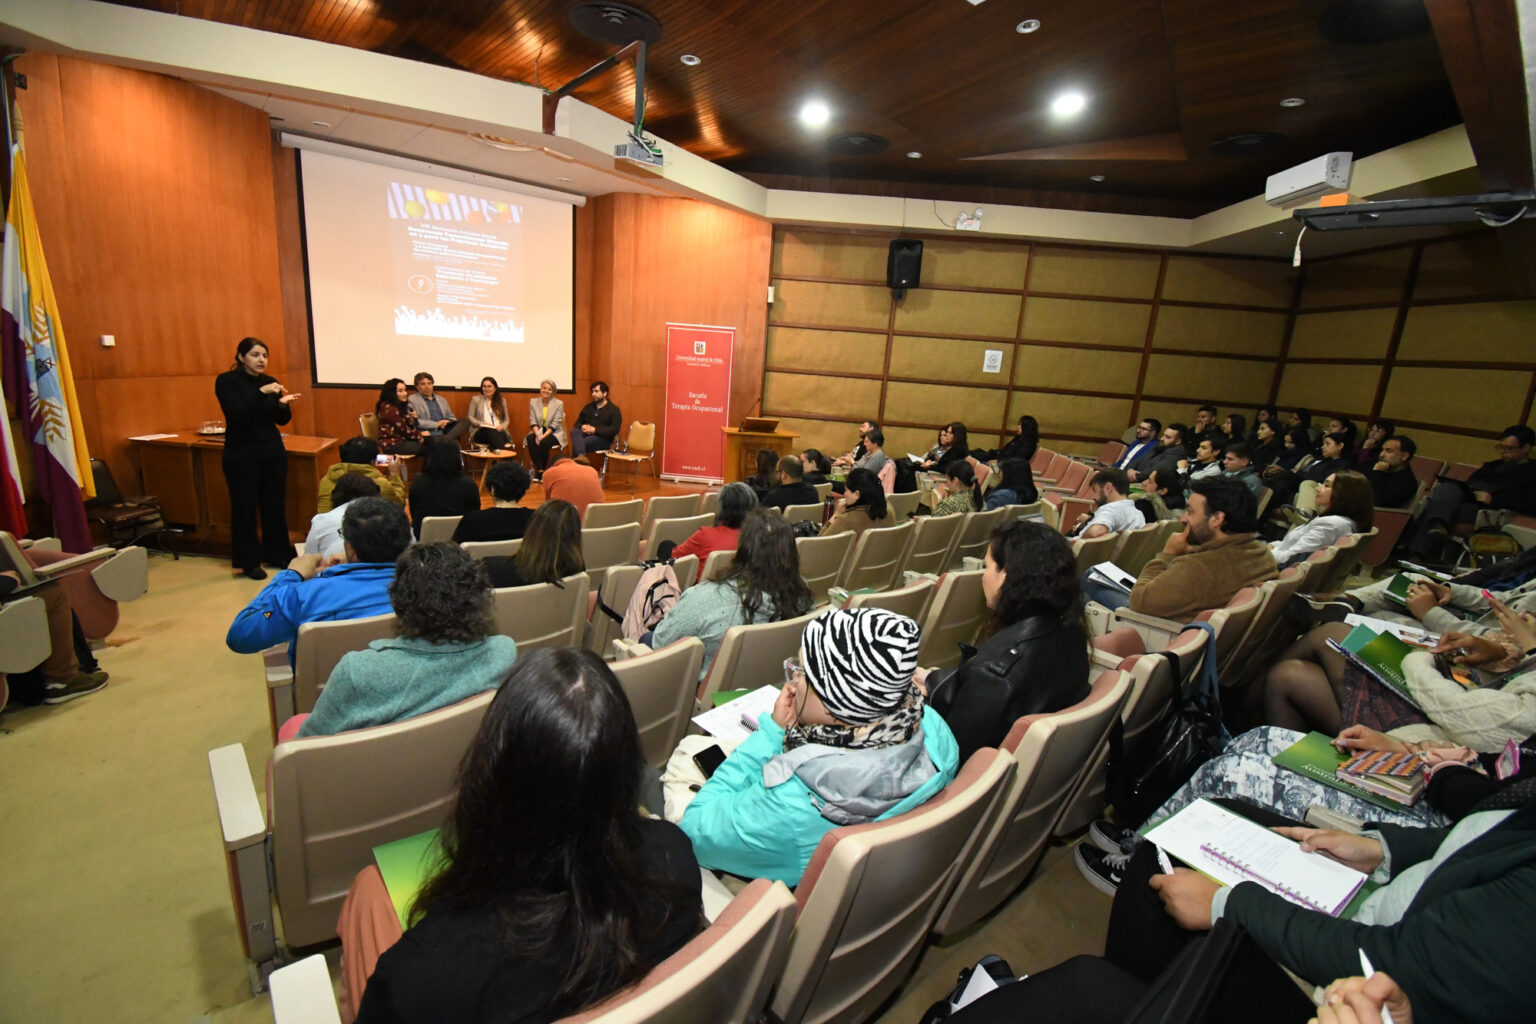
<point x="488" y="416"/>
<point x="1015" y="487"/>
<point x="254" y="460"/>
<point x="555" y="892"/>
<point x="862" y="505"/>
<point x="442" y="488"/>
<point x="1025" y="443"/>
<point x="399" y="431"/>
<point x="953" y="446"/>
<point x="550" y="551"/>
<point x="1345" y="505"/>
<point x="762" y="584"/>
<point x="1036" y="659"/>
<point x="961" y="491"/>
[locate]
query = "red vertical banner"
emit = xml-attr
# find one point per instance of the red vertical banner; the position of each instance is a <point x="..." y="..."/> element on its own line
<point x="698" y="400"/>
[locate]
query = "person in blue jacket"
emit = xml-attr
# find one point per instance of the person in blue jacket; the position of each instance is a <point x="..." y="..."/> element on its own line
<point x="850" y="741"/>
<point x="374" y="532"/>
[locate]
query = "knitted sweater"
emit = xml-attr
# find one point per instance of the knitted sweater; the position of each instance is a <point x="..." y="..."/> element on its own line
<point x="1483" y="719"/>
<point x="1179" y="587"/>
<point x="706" y="610"/>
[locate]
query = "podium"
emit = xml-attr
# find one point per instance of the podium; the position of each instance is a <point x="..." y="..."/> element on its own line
<point x="741" y="448"/>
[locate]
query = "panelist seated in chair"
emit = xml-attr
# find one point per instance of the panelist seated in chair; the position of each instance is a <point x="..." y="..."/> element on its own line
<point x="375" y="532"/>
<point x="445" y="648"/>
<point x="433" y="411"/>
<point x="597" y="424"/>
<point x="849" y="741"/>
<point x="555" y="892"/>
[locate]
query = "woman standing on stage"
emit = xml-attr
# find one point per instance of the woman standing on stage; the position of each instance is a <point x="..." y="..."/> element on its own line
<point x="255" y="463"/>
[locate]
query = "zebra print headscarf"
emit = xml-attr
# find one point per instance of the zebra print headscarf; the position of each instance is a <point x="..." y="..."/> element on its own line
<point x="860" y="662"/>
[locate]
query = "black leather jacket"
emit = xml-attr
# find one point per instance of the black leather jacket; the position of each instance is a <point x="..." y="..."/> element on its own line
<point x="1035" y="666"/>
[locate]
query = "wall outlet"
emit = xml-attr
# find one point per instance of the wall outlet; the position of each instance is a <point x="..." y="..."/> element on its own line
<point x="107" y="341"/>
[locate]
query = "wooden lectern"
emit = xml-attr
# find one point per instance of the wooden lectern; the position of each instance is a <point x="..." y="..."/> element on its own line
<point x="741" y="448"/>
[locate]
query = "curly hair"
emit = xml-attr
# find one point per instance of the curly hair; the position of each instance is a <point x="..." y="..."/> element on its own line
<point x="376" y="528"/>
<point x="507" y="480"/>
<point x="441" y="593"/>
<point x="388" y="393"/>
<point x="352" y="486"/>
<point x="1039" y="575"/>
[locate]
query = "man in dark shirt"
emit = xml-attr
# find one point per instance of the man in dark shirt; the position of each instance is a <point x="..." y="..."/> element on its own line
<point x="792" y="488"/>
<point x="1392" y="479"/>
<point x="1508" y="482"/>
<point x="598" y="423"/>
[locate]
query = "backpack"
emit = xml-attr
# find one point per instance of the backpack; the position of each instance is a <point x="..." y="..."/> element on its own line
<point x="655" y="594"/>
<point x="1490" y="544"/>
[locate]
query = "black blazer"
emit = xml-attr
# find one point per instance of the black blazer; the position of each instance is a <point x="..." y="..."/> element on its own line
<point x="1035" y="666"/>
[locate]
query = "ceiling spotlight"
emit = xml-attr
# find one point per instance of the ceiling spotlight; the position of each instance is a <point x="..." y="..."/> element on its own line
<point x="1095" y="178"/>
<point x="1027" y="26"/>
<point x="815" y="113"/>
<point x="1069" y="104"/>
<point x="1292" y="101"/>
<point x="690" y="60"/>
<point x="914" y="154"/>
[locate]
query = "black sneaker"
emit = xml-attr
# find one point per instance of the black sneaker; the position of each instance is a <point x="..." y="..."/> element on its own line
<point x="1111" y="838"/>
<point x="82" y="684"/>
<point x="255" y="572"/>
<point x="1306" y="609"/>
<point x="1104" y="871"/>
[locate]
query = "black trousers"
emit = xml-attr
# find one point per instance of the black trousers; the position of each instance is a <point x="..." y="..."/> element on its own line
<point x="258" y="484"/>
<point x="538" y="451"/>
<point x="492" y="438"/>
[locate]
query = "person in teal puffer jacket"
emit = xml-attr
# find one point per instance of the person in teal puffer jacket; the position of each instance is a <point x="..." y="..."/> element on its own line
<point x="850" y="741"/>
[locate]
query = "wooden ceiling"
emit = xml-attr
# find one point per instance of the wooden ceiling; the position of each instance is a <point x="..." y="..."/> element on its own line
<point x="1165" y="79"/>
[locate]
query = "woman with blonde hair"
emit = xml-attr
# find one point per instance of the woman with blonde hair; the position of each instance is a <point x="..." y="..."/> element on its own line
<point x="546" y="427"/>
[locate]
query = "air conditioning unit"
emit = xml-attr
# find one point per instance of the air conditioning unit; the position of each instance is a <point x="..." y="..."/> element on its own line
<point x="1328" y="173"/>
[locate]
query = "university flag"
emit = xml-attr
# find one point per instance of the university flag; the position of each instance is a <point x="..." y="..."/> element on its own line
<point x="35" y="369"/>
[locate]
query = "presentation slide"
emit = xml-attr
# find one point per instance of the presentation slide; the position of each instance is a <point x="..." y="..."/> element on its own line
<point x="410" y="271"/>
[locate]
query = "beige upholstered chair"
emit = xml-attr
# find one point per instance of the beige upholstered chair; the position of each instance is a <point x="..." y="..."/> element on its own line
<point x="709" y="502"/>
<point x="911" y="601"/>
<point x="1350" y="550"/>
<point x="674" y="530"/>
<point x="96" y="581"/>
<point x="670" y="506"/>
<point x="1042" y="510"/>
<point x="617" y="588"/>
<point x="613" y="513"/>
<point x="1052" y="752"/>
<point x="24" y="640"/>
<point x="821" y="561"/>
<point x="899" y="506"/>
<point x="932" y="539"/>
<point x="660" y="688"/>
<point x="752" y="656"/>
<point x="868" y="899"/>
<point x="491" y="548"/>
<point x="435" y="528"/>
<point x="610" y="545"/>
<point x="810" y="513"/>
<point x="317" y="649"/>
<point x="543" y="614"/>
<point x="876" y="560"/>
<point x="955" y="615"/>
<point x="975" y="535"/>
<point x="1137" y="547"/>
<point x="637" y="447"/>
<point x="327" y="812"/>
<point x="717" y="563"/>
<point x="822" y="490"/>
<point x="1091" y="551"/>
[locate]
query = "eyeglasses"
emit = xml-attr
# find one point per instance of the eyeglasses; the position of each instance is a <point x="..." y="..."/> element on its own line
<point x="793" y="669"/>
<point x="1501" y="446"/>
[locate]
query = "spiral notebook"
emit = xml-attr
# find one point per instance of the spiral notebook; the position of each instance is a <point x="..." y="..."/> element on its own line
<point x="1232" y="849"/>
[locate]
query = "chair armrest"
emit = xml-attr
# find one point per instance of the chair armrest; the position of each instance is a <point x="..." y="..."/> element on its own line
<point x="240" y="815"/>
<point x="41" y="544"/>
<point x="1104" y="659"/>
<point x="125" y="576"/>
<point x="1157" y="633"/>
<point x="302" y="993"/>
<point x="24" y="624"/>
<point x="52" y="570"/>
<point x="623" y="649"/>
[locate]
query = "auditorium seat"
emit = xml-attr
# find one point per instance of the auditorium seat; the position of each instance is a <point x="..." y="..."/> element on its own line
<point x="821" y="561"/>
<point x="317" y="648"/>
<point x="543" y="614"/>
<point x="601" y="515"/>
<point x="660" y="687"/>
<point x="436" y="528"/>
<point x="975" y="535"/>
<point x="955" y="616"/>
<point x="876" y="560"/>
<point x="752" y="656"/>
<point x="932" y="539"/>
<point x="911" y="601"/>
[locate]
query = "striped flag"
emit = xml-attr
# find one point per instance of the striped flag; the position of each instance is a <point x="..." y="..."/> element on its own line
<point x="38" y="383"/>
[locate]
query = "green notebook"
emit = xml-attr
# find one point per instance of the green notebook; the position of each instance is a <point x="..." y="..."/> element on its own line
<point x="1315" y="756"/>
<point x="406" y="865"/>
<point x="1381" y="654"/>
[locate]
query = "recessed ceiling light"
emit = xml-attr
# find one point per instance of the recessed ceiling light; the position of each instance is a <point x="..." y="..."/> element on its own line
<point x="690" y="60"/>
<point x="1095" y="178"/>
<point x="815" y="113"/>
<point x="562" y="179"/>
<point x="321" y="124"/>
<point x="1069" y="104"/>
<point x="1292" y="101"/>
<point x="276" y="117"/>
<point x="1027" y="26"/>
<point x="914" y="154"/>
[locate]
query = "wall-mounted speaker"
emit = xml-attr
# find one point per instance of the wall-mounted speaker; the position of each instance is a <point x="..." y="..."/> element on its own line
<point x="904" y="266"/>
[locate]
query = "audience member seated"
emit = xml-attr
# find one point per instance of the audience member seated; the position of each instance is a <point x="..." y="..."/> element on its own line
<point x="505" y="519"/>
<point x="442" y="488"/>
<point x="64" y="676"/>
<point x="1369" y="452"/>
<point x="1344" y="507"/>
<point x="815" y="466"/>
<point x="1206" y="464"/>
<point x="1508" y="482"/>
<point x="1035" y="658"/>
<point x="876" y="461"/>
<point x="1237" y="464"/>
<point x="488" y="417"/>
<point x="1024" y="443"/>
<point x="1206" y="426"/>
<point x="736" y="500"/>
<point x="859" y="450"/>
<point x="1297" y="446"/>
<point x="1346" y="428"/>
<point x="1302" y="419"/>
<point x="791" y="487"/>
<point x="953" y="447"/>
<point x="566" y="479"/>
<point x="1264" y="414"/>
<point x="860" y="506"/>
<point x="433" y="411"/>
<point x="324" y="537"/>
<point x="1143" y="446"/>
<point x="1016" y="486"/>
<point x="960" y="491"/>
<point x="546" y="427"/>
<point x="551" y="549"/>
<point x="1265" y="446"/>
<point x="1393" y="484"/>
<point x="374" y="533"/>
<point x="1163" y="458"/>
<point x="1217" y="554"/>
<point x="399" y="431"/>
<point x="1286" y="484"/>
<point x="849" y="741"/>
<point x="767" y="474"/>
<point x="357" y="455"/>
<point x="762" y="584"/>
<point x="445" y="648"/>
<point x="597" y="424"/>
<point x="556" y="891"/>
<point x="1235" y="428"/>
<point x="1114" y="511"/>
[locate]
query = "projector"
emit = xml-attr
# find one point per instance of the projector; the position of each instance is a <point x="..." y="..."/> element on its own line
<point x="1327" y="173"/>
<point x="639" y="151"/>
